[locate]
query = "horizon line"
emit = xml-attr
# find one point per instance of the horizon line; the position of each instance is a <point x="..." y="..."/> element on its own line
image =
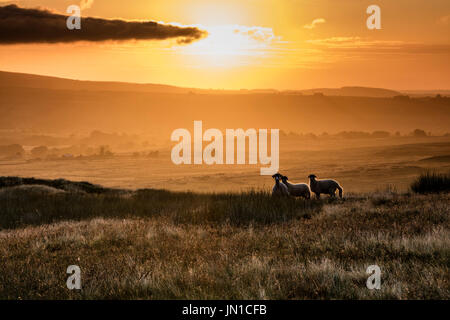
<point x="222" y="89"/>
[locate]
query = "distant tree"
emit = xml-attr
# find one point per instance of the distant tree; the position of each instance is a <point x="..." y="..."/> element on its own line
<point x="380" y="134"/>
<point x="419" y="133"/>
<point x="105" y="151"/>
<point x="13" y="150"/>
<point x="353" y="134"/>
<point x="155" y="154"/>
<point x="283" y="133"/>
<point x="39" y="152"/>
<point x="311" y="136"/>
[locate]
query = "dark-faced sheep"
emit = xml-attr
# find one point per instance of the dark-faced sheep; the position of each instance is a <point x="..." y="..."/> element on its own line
<point x="324" y="186"/>
<point x="298" y="189"/>
<point x="279" y="189"/>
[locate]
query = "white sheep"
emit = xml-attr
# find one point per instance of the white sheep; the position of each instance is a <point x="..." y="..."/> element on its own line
<point x="298" y="189"/>
<point x="324" y="186"/>
<point x="279" y="189"/>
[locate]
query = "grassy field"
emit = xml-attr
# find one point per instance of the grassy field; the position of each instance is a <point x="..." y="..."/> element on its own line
<point x="359" y="165"/>
<point x="156" y="244"/>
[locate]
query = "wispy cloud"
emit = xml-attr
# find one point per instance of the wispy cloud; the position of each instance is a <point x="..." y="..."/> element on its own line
<point x="234" y="40"/>
<point x="314" y="23"/>
<point x="231" y="46"/>
<point x="351" y="42"/>
<point x="358" y="44"/>
<point x="21" y="25"/>
<point x="259" y="34"/>
<point x="86" y="4"/>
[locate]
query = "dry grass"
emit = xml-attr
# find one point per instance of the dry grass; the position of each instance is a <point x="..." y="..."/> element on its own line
<point x="184" y="250"/>
<point x="431" y="182"/>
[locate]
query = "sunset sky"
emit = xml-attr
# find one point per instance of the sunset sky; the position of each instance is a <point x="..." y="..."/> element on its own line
<point x="281" y="44"/>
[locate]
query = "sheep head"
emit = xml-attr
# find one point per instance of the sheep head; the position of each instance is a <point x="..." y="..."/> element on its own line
<point x="277" y="176"/>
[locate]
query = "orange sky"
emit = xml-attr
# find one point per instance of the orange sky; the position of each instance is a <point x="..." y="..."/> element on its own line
<point x="257" y="44"/>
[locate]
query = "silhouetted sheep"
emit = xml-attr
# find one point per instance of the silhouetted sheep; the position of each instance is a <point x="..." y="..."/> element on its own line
<point x="298" y="189"/>
<point x="324" y="186"/>
<point x="279" y="189"/>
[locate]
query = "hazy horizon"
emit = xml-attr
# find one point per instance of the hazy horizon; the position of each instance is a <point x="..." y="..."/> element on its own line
<point x="401" y="90"/>
<point x="306" y="89"/>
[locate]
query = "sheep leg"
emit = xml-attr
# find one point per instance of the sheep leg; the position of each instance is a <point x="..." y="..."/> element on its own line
<point x="332" y="192"/>
<point x="317" y="195"/>
<point x="340" y="191"/>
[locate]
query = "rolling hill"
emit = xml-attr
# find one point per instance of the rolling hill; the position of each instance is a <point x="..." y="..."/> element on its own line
<point x="54" y="105"/>
<point x="11" y="79"/>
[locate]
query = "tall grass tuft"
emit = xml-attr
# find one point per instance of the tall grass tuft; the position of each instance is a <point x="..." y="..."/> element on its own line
<point x="431" y="182"/>
<point x="21" y="207"/>
<point x="253" y="207"/>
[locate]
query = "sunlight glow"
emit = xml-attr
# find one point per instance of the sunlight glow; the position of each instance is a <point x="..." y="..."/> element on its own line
<point x="230" y="45"/>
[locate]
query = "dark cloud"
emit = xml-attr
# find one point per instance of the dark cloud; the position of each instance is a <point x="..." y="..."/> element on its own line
<point x="21" y="25"/>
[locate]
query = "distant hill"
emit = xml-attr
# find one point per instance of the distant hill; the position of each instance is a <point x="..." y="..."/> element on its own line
<point x="53" y="105"/>
<point x="354" y="92"/>
<point x="426" y="93"/>
<point x="445" y="158"/>
<point x="23" y="80"/>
